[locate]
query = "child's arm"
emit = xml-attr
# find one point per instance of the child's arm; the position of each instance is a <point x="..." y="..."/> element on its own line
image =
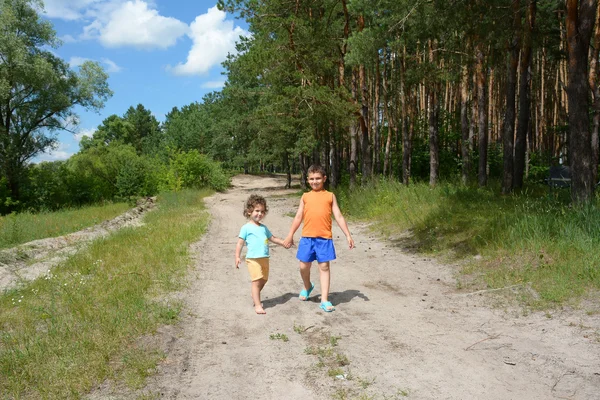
<point x="278" y="241"/>
<point x="341" y="221"/>
<point x="238" y="252"/>
<point x="289" y="240"/>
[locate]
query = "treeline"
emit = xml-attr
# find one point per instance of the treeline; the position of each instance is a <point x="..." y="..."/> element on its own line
<point x="464" y="90"/>
<point x="127" y="157"/>
<point x="467" y="89"/>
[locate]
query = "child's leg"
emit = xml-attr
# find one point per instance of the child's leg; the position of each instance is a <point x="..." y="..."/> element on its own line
<point x="257" y="286"/>
<point x="305" y="274"/>
<point x="324" y="277"/>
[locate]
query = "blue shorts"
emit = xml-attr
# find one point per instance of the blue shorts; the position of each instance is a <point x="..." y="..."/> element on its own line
<point x="311" y="249"/>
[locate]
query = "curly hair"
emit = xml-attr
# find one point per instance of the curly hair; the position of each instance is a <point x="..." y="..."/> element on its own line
<point x="252" y="201"/>
<point x="316" y="169"/>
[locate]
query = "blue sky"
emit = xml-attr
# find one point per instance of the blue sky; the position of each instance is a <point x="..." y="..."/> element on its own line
<point x="160" y="53"/>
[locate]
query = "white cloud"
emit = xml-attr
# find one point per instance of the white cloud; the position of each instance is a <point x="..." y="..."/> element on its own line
<point x="67" y="9"/>
<point x="68" y="39"/>
<point x="112" y="66"/>
<point x="77" y="61"/>
<point x="213" y="38"/>
<point x="60" y="153"/>
<point x="213" y="84"/>
<point x="133" y="23"/>
<point x="84" y="132"/>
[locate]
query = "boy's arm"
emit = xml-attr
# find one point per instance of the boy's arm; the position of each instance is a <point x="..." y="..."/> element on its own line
<point x="289" y="240"/>
<point x="341" y="221"/>
<point x="238" y="252"/>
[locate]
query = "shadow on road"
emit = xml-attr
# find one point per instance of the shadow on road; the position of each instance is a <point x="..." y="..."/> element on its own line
<point x="335" y="297"/>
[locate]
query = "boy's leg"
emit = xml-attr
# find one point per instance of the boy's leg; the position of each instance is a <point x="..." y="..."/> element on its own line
<point x="257" y="286"/>
<point x="324" y="276"/>
<point x="305" y="274"/>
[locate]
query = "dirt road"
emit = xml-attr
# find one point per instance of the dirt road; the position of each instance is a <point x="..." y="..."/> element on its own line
<point x="401" y="329"/>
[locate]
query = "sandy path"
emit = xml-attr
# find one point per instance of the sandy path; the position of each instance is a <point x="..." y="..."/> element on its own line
<point x="400" y="326"/>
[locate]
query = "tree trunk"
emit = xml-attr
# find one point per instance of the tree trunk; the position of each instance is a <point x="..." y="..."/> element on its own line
<point x="406" y="143"/>
<point x="433" y="110"/>
<point x="509" y="116"/>
<point x="364" y="127"/>
<point x="353" y="134"/>
<point x="375" y="122"/>
<point x="524" y="98"/>
<point x="464" y="124"/>
<point x="482" y="117"/>
<point x="386" y="116"/>
<point x="595" y="89"/>
<point x="580" y="23"/>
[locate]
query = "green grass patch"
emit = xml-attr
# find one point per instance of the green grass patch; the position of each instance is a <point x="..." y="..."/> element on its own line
<point x="530" y="239"/>
<point x="24" y="227"/>
<point x="279" y="336"/>
<point x="64" y="333"/>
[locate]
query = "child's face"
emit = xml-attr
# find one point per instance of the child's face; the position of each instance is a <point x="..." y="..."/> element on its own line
<point x="316" y="180"/>
<point x="258" y="213"/>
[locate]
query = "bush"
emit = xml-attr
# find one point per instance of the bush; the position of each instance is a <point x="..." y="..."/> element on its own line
<point x="192" y="170"/>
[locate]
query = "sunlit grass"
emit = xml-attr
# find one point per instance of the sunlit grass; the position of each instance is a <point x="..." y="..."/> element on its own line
<point x="20" y="228"/>
<point x="532" y="238"/>
<point x="77" y="326"/>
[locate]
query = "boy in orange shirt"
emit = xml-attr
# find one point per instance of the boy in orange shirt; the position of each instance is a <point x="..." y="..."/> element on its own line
<point x="314" y="212"/>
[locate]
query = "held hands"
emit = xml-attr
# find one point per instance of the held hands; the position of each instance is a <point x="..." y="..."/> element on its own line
<point x="288" y="242"/>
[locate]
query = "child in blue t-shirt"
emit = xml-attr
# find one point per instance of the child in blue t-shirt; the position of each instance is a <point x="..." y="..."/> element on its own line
<point x="257" y="237"/>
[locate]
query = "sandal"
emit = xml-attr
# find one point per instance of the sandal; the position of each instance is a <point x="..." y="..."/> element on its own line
<point x="327" y="306"/>
<point x="305" y="293"/>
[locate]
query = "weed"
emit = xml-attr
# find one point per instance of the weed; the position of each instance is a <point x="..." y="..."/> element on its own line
<point x="341" y="394"/>
<point x="299" y="329"/>
<point x="342" y="360"/>
<point x="279" y="336"/>
<point x="365" y="383"/>
<point x="333" y="340"/>
<point x="333" y="372"/>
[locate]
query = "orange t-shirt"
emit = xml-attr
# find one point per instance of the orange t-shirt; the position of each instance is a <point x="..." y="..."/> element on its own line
<point x="316" y="218"/>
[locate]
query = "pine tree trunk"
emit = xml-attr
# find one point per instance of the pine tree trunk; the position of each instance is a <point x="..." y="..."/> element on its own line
<point x="580" y="22"/>
<point x="375" y="122"/>
<point x="464" y="124"/>
<point x="509" y="116"/>
<point x="482" y="118"/>
<point x="406" y="142"/>
<point x="595" y="89"/>
<point x="433" y="110"/>
<point x="524" y="99"/>
<point x="353" y="134"/>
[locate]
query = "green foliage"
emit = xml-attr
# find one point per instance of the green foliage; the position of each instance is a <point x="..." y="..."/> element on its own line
<point x="192" y="170"/>
<point x="38" y="90"/>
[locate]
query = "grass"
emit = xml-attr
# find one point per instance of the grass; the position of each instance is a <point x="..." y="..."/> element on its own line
<point x="78" y="325"/>
<point x="279" y="336"/>
<point x="530" y="239"/>
<point x="21" y="228"/>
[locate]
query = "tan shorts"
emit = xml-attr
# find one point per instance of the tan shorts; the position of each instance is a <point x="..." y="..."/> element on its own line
<point x="258" y="268"/>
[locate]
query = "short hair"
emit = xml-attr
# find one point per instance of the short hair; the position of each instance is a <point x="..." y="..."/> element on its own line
<point x="251" y="203"/>
<point x="316" y="168"/>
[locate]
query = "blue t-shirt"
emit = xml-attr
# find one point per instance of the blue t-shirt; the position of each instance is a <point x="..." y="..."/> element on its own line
<point x="257" y="240"/>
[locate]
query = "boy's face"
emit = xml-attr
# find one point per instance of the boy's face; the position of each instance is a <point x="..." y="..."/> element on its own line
<point x="257" y="214"/>
<point x="316" y="180"/>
